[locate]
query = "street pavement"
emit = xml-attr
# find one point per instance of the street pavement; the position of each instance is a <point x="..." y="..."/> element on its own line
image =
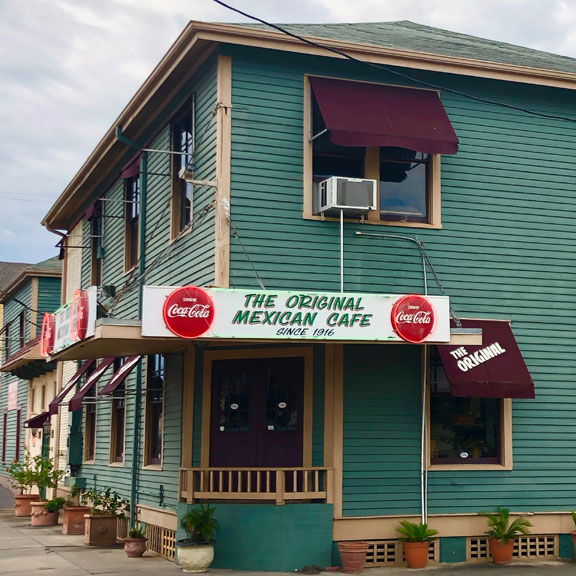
<point x="27" y="551"/>
<point x="6" y="498"/>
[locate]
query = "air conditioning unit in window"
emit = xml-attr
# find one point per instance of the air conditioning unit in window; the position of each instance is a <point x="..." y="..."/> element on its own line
<point x="353" y="196"/>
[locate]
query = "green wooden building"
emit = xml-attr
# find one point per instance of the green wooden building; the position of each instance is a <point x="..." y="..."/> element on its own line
<point x="371" y="162"/>
<point x="27" y="381"/>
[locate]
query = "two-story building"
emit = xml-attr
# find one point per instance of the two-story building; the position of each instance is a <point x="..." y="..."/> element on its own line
<point x="302" y="187"/>
<point x="27" y="381"/>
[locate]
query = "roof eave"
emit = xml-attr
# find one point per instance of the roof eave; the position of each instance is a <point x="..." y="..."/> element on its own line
<point x="201" y="38"/>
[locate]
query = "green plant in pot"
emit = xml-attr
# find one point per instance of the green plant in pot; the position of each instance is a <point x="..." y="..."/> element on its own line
<point x="22" y="480"/>
<point x="135" y="544"/>
<point x="106" y="506"/>
<point x="503" y="532"/>
<point x="44" y="475"/>
<point x="74" y="511"/>
<point x="195" y="554"/>
<point x="416" y="540"/>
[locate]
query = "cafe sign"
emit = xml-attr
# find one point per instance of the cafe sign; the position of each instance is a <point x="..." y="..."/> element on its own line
<point x="194" y="312"/>
<point x="71" y="323"/>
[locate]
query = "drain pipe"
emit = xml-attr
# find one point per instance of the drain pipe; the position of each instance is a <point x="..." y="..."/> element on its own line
<point x="424" y="439"/>
<point x="141" y="267"/>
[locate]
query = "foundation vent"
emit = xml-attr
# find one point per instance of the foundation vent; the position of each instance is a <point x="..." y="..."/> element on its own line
<point x="533" y="547"/>
<point x="121" y="528"/>
<point x="389" y="552"/>
<point x="161" y="540"/>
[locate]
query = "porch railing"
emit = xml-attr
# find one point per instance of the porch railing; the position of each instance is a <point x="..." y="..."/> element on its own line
<point x="273" y="484"/>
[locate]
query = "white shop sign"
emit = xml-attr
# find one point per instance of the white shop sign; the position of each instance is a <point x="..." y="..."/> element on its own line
<point x="293" y="315"/>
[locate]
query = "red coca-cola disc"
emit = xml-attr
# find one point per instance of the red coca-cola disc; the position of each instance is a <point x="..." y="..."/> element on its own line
<point x="413" y="318"/>
<point x="188" y="312"/>
<point x="47" y="335"/>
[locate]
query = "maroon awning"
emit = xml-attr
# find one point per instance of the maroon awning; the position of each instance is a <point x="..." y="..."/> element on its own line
<point x="494" y="370"/>
<point x="120" y="375"/>
<point x="365" y="114"/>
<point x="132" y="168"/>
<point x="37" y="421"/>
<point x="76" y="400"/>
<point x="53" y="407"/>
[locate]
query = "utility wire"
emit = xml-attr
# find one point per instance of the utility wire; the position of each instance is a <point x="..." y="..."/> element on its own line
<point x="395" y="72"/>
<point x="12" y="297"/>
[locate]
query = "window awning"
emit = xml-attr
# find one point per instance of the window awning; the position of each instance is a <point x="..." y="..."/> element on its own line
<point x="120" y="375"/>
<point x="53" y="407"/>
<point x="132" y="168"/>
<point x="494" y="370"/>
<point x="365" y="114"/>
<point x="76" y="400"/>
<point x="37" y="421"/>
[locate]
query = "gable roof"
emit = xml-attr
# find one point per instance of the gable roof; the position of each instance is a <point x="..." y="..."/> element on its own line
<point x="402" y="44"/>
<point x="50" y="267"/>
<point x="9" y="271"/>
<point x="406" y="35"/>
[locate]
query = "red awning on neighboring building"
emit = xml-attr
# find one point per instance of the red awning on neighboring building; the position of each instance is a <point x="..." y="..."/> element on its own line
<point x="37" y="421"/>
<point x="366" y="114"/>
<point x="132" y="168"/>
<point x="53" y="407"/>
<point x="76" y="400"/>
<point x="494" y="370"/>
<point x="120" y="375"/>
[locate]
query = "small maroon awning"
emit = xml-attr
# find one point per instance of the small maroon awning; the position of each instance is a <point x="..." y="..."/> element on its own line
<point x="365" y="114"/>
<point x="120" y="375"/>
<point x="37" y="421"/>
<point x="53" y="407"/>
<point x="132" y="168"/>
<point x="76" y="400"/>
<point x="494" y="370"/>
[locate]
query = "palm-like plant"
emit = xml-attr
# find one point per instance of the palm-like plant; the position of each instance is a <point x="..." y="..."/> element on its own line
<point x="200" y="524"/>
<point x="412" y="532"/>
<point x="501" y="528"/>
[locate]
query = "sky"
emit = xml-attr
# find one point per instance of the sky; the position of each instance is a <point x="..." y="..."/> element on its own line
<point x="69" y="67"/>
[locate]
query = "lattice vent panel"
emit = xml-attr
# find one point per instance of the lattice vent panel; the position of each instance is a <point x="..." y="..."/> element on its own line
<point x="161" y="540"/>
<point x="387" y="552"/>
<point x="122" y="528"/>
<point x="533" y="546"/>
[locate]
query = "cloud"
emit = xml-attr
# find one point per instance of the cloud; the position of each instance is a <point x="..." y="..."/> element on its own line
<point x="69" y="67"/>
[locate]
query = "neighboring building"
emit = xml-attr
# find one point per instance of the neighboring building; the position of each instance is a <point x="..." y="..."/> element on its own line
<point x="27" y="381"/>
<point x="8" y="271"/>
<point x="309" y="417"/>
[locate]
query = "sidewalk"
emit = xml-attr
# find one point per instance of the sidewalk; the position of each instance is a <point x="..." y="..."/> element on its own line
<point x="26" y="551"/>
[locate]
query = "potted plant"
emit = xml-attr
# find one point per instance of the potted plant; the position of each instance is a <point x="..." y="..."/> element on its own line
<point x="352" y="556"/>
<point x="74" y="512"/>
<point x="502" y="534"/>
<point x="46" y="513"/>
<point x="416" y="540"/>
<point x="107" y="506"/>
<point x="195" y="553"/>
<point x="43" y="476"/>
<point x="20" y="472"/>
<point x="135" y="544"/>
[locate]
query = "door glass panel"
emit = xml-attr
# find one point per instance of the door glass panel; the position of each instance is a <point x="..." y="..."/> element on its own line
<point x="282" y="401"/>
<point x="233" y="402"/>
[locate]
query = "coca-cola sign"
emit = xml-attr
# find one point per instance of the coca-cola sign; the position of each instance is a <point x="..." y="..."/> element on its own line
<point x="188" y="312"/>
<point x="413" y="318"/>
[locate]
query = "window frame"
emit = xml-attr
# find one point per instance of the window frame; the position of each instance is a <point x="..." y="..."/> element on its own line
<point x="371" y="171"/>
<point x="96" y="244"/>
<point x="180" y="188"/>
<point x="149" y="460"/>
<point x="89" y="426"/>
<point x="115" y="437"/>
<point x="132" y="200"/>
<point x="506" y="460"/>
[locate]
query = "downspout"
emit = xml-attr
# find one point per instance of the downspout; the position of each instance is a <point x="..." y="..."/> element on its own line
<point x="424" y="439"/>
<point x="141" y="267"/>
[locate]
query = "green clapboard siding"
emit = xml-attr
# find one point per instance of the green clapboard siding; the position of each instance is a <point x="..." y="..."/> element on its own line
<point x="505" y="251"/>
<point x="381" y="462"/>
<point x="48" y="294"/>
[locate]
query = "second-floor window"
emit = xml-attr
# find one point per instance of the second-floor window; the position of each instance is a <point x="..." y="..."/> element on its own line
<point x="132" y="202"/>
<point x="182" y="134"/>
<point x="22" y="328"/>
<point x="96" y="247"/>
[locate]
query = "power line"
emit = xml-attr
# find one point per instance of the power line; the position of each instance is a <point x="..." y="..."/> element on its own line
<point x="395" y="72"/>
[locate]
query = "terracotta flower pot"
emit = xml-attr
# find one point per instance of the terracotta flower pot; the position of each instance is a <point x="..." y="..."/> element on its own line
<point x="135" y="547"/>
<point x="501" y="550"/>
<point x="73" y="519"/>
<point x="100" y="530"/>
<point x="22" y="504"/>
<point x="352" y="556"/>
<point x="41" y="517"/>
<point x="416" y="553"/>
